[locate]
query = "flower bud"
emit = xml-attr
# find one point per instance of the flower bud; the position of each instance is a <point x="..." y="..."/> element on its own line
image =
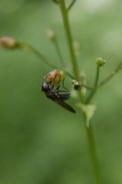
<point x="55" y="77"/>
<point x="100" y="61"/>
<point x="76" y="85"/>
<point x="9" y="42"/>
<point x="76" y="47"/>
<point x="51" y="34"/>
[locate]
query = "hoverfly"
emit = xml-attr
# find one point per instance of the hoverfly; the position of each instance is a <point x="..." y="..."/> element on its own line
<point x="58" y="96"/>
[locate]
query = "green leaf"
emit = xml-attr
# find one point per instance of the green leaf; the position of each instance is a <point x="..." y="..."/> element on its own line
<point x="89" y="110"/>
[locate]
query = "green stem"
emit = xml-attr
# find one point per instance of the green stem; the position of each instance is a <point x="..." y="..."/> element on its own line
<point x="64" y="12"/>
<point x="87" y="87"/>
<point x="31" y="49"/>
<point x="65" y="17"/>
<point x="72" y="3"/>
<point x="97" y="76"/>
<point x="43" y="58"/>
<point x="92" y="149"/>
<point x="119" y="67"/>
<point x="67" y="73"/>
<point x="95" y="86"/>
<point x="59" y="52"/>
<point x="91" y="143"/>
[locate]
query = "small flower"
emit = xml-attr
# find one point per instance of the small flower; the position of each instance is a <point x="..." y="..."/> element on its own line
<point x="100" y="61"/>
<point x="9" y="42"/>
<point x="55" y="77"/>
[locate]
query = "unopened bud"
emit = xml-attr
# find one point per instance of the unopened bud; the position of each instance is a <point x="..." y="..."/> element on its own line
<point x="100" y="61"/>
<point x="76" y="85"/>
<point x="51" y="34"/>
<point x="55" y="77"/>
<point x="76" y="47"/>
<point x="9" y="42"/>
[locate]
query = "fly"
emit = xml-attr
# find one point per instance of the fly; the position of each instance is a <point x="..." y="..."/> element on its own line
<point x="58" y="96"/>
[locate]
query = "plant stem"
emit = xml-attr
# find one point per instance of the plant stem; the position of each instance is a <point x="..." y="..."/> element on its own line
<point x="119" y="67"/>
<point x="72" y="3"/>
<point x="91" y="143"/>
<point x="64" y="12"/>
<point x="97" y="76"/>
<point x="95" y="85"/>
<point x="65" y="17"/>
<point x="31" y="49"/>
<point x="93" y="153"/>
<point x="58" y="52"/>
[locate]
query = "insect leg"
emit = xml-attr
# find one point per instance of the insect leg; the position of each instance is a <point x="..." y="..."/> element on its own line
<point x="64" y="86"/>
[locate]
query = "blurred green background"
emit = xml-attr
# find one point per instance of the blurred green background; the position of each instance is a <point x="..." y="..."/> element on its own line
<point x="40" y="142"/>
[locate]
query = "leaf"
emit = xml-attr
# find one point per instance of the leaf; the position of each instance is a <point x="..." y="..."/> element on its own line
<point x="89" y="110"/>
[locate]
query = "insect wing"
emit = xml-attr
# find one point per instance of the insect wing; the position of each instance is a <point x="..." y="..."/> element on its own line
<point x="64" y="105"/>
<point x="57" y="97"/>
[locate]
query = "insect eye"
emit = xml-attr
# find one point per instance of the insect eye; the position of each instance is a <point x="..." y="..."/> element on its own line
<point x="45" y="87"/>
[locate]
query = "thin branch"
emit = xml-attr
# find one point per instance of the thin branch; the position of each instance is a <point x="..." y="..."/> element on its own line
<point x="72" y="3"/>
<point x="97" y="76"/>
<point x="31" y="49"/>
<point x="95" y="85"/>
<point x="69" y="38"/>
<point x="58" y="51"/>
<point x="119" y="67"/>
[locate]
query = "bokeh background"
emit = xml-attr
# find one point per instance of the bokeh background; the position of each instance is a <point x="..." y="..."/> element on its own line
<point x="40" y="142"/>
